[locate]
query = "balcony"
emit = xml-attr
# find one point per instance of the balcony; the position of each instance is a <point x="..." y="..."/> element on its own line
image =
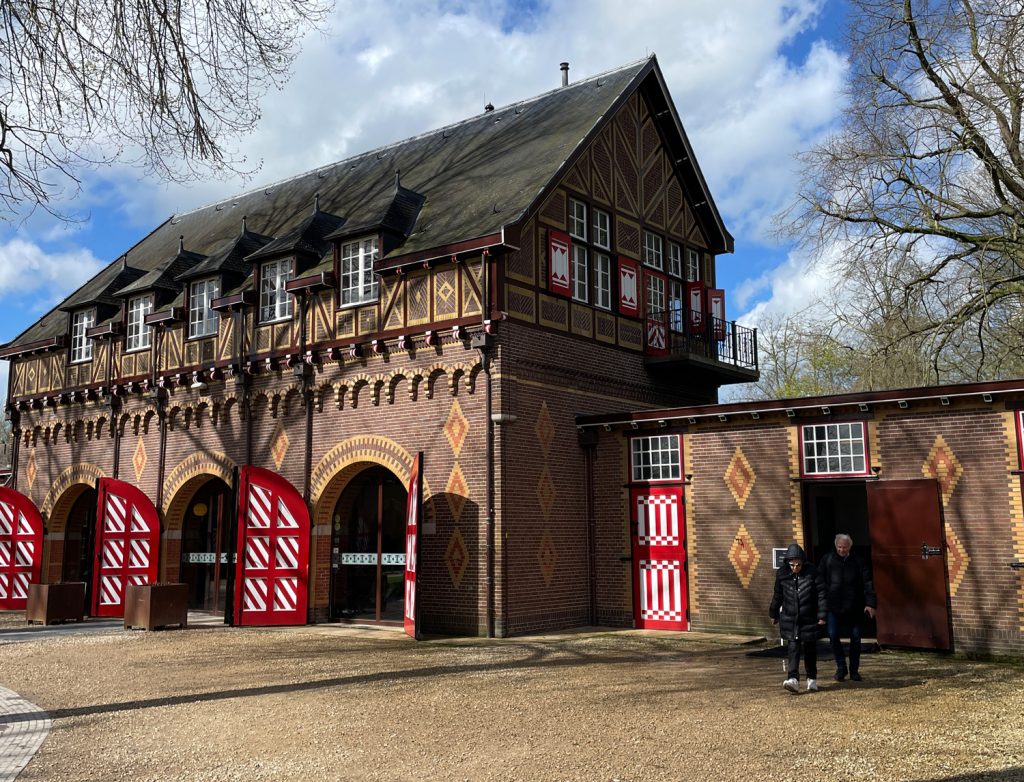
<point x="722" y="350"/>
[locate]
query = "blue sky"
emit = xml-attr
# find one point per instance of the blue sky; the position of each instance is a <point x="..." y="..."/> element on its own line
<point x="755" y="82"/>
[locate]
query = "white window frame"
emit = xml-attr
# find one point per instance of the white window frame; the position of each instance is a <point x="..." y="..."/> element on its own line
<point x="656" y="459"/>
<point x="830" y="449"/>
<point x="577" y="219"/>
<point x="275" y="301"/>
<point x="139" y="336"/>
<point x="653" y="254"/>
<point x="654" y="282"/>
<point x="580" y="273"/>
<point x="202" y="321"/>
<point x="675" y="305"/>
<point x="81" y="345"/>
<point x="693" y="265"/>
<point x="602" y="233"/>
<point x="675" y="259"/>
<point x="358" y="283"/>
<point x="602" y="281"/>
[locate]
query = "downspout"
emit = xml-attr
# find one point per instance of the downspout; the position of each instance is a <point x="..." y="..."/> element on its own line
<point x="15" y="445"/>
<point x="485" y="344"/>
<point x="161" y="412"/>
<point x="115" y="410"/>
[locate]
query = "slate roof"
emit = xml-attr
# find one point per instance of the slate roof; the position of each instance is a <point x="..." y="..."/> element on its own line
<point x="461" y="182"/>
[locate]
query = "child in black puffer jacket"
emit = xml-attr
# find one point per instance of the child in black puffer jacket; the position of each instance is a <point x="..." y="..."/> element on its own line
<point x="799" y="608"/>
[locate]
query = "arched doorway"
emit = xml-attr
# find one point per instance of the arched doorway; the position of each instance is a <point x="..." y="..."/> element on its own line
<point x="79" y="531"/>
<point x="368" y="549"/>
<point x="205" y="536"/>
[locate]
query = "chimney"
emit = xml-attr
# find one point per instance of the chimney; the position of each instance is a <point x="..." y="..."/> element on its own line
<point x="565" y="74"/>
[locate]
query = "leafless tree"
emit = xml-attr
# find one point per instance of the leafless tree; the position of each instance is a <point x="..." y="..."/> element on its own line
<point x="165" y="84"/>
<point x="921" y="191"/>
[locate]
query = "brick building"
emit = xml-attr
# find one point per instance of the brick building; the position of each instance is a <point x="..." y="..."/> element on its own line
<point x="927" y="481"/>
<point x="254" y="380"/>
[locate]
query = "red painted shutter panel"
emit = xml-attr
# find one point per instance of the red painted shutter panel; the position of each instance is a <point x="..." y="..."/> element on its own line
<point x="629" y="287"/>
<point x="695" y="305"/>
<point x="716" y="309"/>
<point x="559" y="266"/>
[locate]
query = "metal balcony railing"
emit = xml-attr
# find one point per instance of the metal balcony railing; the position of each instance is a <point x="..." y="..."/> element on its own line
<point x="715" y="339"/>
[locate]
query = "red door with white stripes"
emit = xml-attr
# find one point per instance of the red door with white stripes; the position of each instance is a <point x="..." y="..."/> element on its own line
<point x="21" y="548"/>
<point x="273" y="542"/>
<point x="127" y="544"/>
<point x="413" y="507"/>
<point x="659" y="554"/>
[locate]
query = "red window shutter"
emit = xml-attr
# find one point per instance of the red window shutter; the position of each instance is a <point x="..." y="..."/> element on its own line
<point x="559" y="267"/>
<point x="695" y="306"/>
<point x="629" y="287"/>
<point x="716" y="309"/>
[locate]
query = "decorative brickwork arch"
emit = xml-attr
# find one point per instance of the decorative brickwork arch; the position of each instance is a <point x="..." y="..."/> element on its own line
<point x="191" y="473"/>
<point x="65" y="490"/>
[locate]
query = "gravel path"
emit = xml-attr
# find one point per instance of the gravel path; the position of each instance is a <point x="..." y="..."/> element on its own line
<point x="322" y="704"/>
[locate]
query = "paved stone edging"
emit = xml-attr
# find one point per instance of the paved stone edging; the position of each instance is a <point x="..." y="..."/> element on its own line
<point x="23" y="727"/>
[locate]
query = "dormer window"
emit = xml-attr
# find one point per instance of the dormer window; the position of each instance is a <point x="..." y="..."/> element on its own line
<point x="81" y="345"/>
<point x="358" y="283"/>
<point x="275" y="302"/>
<point x="139" y="334"/>
<point x="202" y="321"/>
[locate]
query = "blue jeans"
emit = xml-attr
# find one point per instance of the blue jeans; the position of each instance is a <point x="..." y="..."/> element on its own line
<point x="835" y="625"/>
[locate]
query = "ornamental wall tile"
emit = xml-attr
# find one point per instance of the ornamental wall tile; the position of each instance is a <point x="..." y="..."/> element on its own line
<point x="547" y="557"/>
<point x="31" y="470"/>
<point x="456" y="428"/>
<point x="744" y="556"/>
<point x="957" y="560"/>
<point x="545" y="429"/>
<point x="546" y="494"/>
<point x="457" y="492"/>
<point x="279" y="444"/>
<point x="139" y="458"/>
<point x="740" y="477"/>
<point x="943" y="465"/>
<point x="456" y="557"/>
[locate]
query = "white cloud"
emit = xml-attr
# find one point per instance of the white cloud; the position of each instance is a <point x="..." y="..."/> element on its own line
<point x="801" y="283"/>
<point x="25" y="268"/>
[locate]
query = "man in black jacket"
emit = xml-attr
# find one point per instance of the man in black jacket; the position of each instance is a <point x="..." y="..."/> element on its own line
<point x="845" y="579"/>
<point x="798" y="607"/>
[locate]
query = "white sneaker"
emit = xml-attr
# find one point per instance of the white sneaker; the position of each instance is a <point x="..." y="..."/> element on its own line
<point x="812" y="685"/>
<point x="792" y="685"/>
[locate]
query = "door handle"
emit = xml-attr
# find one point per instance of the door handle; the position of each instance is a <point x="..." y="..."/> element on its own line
<point x="930" y="551"/>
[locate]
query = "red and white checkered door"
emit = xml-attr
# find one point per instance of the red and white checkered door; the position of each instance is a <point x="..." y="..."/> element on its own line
<point x="21" y="548"/>
<point x="127" y="544"/>
<point x="273" y="536"/>
<point x="659" y="554"/>
<point x="413" y="508"/>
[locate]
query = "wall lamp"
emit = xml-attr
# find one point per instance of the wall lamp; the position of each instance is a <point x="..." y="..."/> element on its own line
<point x="944" y="400"/>
<point x="755" y="416"/>
<point x="903" y="405"/>
<point x="634" y="425"/>
<point x="864" y="407"/>
<point x="723" y="418"/>
<point x="875" y="469"/>
<point x="825" y="410"/>
<point x="691" y="421"/>
<point x="662" y="423"/>
<point x="986" y="397"/>
<point x="791" y="413"/>
<point x="689" y="479"/>
<point x="607" y="427"/>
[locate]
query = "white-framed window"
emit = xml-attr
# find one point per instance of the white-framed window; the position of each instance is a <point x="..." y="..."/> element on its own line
<point x="656" y="458"/>
<point x="577" y="219"/>
<point x="675" y="305"/>
<point x="834" y="449"/>
<point x="580" y="277"/>
<point x="655" y="294"/>
<point x="275" y="301"/>
<point x="602" y="236"/>
<point x="358" y="283"/>
<point x="81" y="345"/>
<point x="675" y="259"/>
<point x="692" y="265"/>
<point x="202" y="321"/>
<point x="603" y="281"/>
<point x="139" y="335"/>
<point x="652" y="250"/>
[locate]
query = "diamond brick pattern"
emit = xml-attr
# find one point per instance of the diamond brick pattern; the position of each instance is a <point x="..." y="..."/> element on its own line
<point x="546" y="493"/>
<point x="957" y="560"/>
<point x="744" y="556"/>
<point x="740" y="478"/>
<point x="31" y="470"/>
<point x="457" y="492"/>
<point x="943" y="466"/>
<point x="279" y="444"/>
<point x="547" y="557"/>
<point x="545" y="429"/>
<point x="139" y="458"/>
<point x="456" y="428"/>
<point x="456" y="557"/>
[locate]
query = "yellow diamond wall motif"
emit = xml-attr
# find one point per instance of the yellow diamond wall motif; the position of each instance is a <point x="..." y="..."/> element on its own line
<point x="456" y="427"/>
<point x="740" y="477"/>
<point x="744" y="556"/>
<point x="545" y="429"/>
<point x="456" y="557"/>
<point x="943" y="466"/>
<point x="279" y="444"/>
<point x="547" y="557"/>
<point x="31" y="471"/>
<point x="956" y="560"/>
<point x="457" y="492"/>
<point x="139" y="458"/>
<point x="546" y="492"/>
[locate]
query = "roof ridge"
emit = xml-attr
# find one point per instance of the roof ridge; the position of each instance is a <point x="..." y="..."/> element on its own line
<point x="426" y="134"/>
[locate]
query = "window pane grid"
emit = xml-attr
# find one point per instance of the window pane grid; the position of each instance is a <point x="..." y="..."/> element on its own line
<point x="675" y="305"/>
<point x="358" y="283"/>
<point x="692" y="266"/>
<point x="81" y="345"/>
<point x="602" y="281"/>
<point x="652" y="250"/>
<point x="275" y="303"/>
<point x="580" y="282"/>
<point x="202" y="321"/>
<point x="577" y="219"/>
<point x="655" y="458"/>
<point x="139" y="334"/>
<point x="655" y="295"/>
<point x="834" y="449"/>
<point x="602" y="230"/>
<point x="675" y="259"/>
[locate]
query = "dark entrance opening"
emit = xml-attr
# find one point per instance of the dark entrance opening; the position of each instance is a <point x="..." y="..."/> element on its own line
<point x="204" y="547"/>
<point x="79" y="531"/>
<point x="368" y="549"/>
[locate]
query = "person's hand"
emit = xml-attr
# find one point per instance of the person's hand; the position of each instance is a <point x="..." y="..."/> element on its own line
<point x="821" y="621"/>
<point x="869" y="611"/>
<point x="775" y="621"/>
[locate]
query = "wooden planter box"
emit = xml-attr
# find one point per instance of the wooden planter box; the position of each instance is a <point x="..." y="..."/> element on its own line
<point x="155" y="605"/>
<point x="48" y="603"/>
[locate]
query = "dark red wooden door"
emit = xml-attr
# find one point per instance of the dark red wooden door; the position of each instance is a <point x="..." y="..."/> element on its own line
<point x="909" y="563"/>
<point x="414" y="505"/>
<point x="21" y="548"/>
<point x="273" y="543"/>
<point x="659" y="578"/>
<point x="127" y="544"/>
